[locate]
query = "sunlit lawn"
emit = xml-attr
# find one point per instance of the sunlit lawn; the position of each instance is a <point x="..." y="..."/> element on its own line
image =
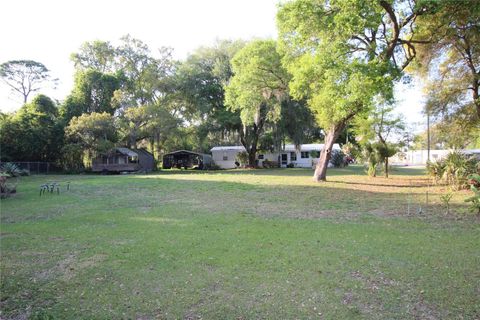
<point x="253" y="244"/>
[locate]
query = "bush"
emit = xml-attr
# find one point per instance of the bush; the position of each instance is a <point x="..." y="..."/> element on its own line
<point x="269" y="164"/>
<point x="290" y="165"/>
<point x="8" y="182"/>
<point x="474" y="182"/>
<point x="453" y="170"/>
<point x="436" y="170"/>
<point x="338" y="158"/>
<point x="11" y="169"/>
<point x="242" y="158"/>
<point x="24" y="172"/>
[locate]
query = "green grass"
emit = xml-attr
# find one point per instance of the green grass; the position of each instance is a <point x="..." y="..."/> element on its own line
<point x="268" y="244"/>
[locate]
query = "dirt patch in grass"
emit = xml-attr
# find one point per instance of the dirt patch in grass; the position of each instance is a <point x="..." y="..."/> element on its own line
<point x="424" y="311"/>
<point x="373" y="284"/>
<point x="69" y="267"/>
<point x="419" y="309"/>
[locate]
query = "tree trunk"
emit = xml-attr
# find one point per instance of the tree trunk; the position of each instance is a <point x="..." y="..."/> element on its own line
<point x="159" y="149"/>
<point x="251" y="158"/>
<point x="322" y="165"/>
<point x="249" y="139"/>
<point x="386" y="167"/>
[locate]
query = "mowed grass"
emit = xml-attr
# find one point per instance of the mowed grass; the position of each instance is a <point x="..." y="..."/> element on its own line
<point x="252" y="244"/>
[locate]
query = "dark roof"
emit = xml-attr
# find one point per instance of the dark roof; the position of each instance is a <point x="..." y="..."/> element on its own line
<point x="143" y="151"/>
<point x="187" y="151"/>
<point x="127" y="152"/>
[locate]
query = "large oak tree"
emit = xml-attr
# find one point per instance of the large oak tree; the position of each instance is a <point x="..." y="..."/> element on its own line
<point x="258" y="87"/>
<point x="343" y="53"/>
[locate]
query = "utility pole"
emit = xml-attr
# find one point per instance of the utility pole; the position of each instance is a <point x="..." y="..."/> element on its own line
<point x="428" y="135"/>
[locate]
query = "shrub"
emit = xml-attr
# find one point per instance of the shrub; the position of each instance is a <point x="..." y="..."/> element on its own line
<point x="453" y="170"/>
<point x="445" y="198"/>
<point x="270" y="164"/>
<point x="436" y="170"/>
<point x="338" y="158"/>
<point x="290" y="165"/>
<point x="372" y="158"/>
<point x="24" y="172"/>
<point x="242" y="158"/>
<point x="474" y="182"/>
<point x="352" y="150"/>
<point x="72" y="158"/>
<point x="8" y="180"/>
<point x="11" y="169"/>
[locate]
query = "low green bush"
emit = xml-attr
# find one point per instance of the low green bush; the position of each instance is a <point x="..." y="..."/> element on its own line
<point x="474" y="182"/>
<point x="11" y="169"/>
<point x="453" y="170"/>
<point x="269" y="164"/>
<point x="242" y="158"/>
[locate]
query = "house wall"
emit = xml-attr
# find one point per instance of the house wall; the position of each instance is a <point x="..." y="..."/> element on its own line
<point x="418" y="157"/>
<point x="300" y="162"/>
<point x="229" y="163"/>
<point x="145" y="159"/>
<point x="303" y="162"/>
<point x="267" y="156"/>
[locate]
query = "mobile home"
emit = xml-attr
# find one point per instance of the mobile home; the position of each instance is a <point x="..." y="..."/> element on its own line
<point x="306" y="156"/>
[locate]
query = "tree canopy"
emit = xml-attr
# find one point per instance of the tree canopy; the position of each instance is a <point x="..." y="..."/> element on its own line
<point x="93" y="92"/>
<point x="259" y="85"/>
<point x="33" y="133"/>
<point x="449" y="61"/>
<point x="24" y="76"/>
<point x="342" y="54"/>
<point x="333" y="69"/>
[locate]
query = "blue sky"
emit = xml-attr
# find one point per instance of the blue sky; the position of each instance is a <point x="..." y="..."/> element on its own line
<point x="48" y="31"/>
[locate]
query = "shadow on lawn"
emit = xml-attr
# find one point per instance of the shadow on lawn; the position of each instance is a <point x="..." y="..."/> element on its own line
<point x="336" y="198"/>
<point x="289" y="201"/>
<point x="423" y="183"/>
<point x="304" y="172"/>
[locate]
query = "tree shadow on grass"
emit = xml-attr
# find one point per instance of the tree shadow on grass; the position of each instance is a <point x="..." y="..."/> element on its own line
<point x="152" y="212"/>
<point x="336" y="198"/>
<point x="306" y="172"/>
<point x="414" y="183"/>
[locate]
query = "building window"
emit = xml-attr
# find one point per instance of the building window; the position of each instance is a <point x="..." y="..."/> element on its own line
<point x="293" y="156"/>
<point x="260" y="157"/>
<point x="305" y="154"/>
<point x="315" y="154"/>
<point x="225" y="157"/>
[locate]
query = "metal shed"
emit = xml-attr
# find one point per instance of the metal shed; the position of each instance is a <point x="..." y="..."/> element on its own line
<point x="186" y="159"/>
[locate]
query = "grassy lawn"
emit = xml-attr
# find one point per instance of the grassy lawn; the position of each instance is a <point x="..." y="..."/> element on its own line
<point x="264" y="244"/>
